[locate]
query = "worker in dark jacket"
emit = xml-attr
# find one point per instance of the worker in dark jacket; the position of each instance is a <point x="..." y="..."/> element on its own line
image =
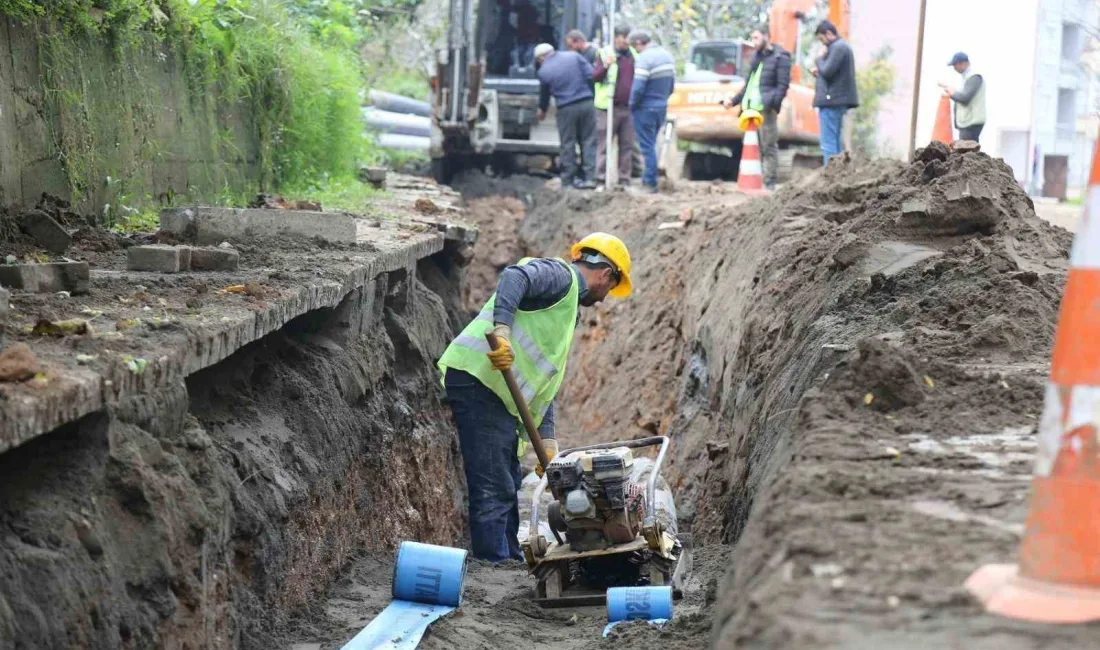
<point x="769" y="79"/>
<point x="567" y="76"/>
<point x="835" y="91"/>
<point x="969" y="100"/>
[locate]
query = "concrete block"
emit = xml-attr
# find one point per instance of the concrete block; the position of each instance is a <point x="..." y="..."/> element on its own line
<point x="214" y="259"/>
<point x="966" y="146"/>
<point x="159" y="258"/>
<point x="211" y="226"/>
<point x="178" y="221"/>
<point x="46" y="278"/>
<point x="914" y="209"/>
<point x="5" y="302"/>
<point x="47" y="232"/>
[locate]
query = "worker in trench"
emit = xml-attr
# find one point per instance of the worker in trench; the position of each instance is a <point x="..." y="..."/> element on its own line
<point x="533" y="314"/>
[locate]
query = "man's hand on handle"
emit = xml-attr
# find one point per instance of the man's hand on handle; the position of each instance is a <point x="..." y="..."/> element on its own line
<point x="551" y="447"/>
<point x="503" y="356"/>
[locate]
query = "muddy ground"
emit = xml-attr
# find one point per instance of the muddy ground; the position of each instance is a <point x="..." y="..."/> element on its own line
<point x="851" y="371"/>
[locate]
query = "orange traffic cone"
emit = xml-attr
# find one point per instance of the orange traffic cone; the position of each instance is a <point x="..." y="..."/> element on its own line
<point x="942" y="129"/>
<point x="1058" y="578"/>
<point x="750" y="174"/>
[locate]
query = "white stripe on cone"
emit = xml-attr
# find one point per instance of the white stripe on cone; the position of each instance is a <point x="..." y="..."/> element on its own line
<point x="1086" y="245"/>
<point x="751" y="168"/>
<point x="751" y="138"/>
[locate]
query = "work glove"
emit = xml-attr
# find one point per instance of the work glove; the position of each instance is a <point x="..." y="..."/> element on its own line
<point x="550" y="445"/>
<point x="503" y="356"/>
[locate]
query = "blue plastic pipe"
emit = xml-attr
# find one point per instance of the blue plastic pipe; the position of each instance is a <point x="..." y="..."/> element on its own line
<point x="653" y="604"/>
<point x="427" y="584"/>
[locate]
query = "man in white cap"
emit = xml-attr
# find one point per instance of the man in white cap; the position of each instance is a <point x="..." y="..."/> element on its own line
<point x="567" y="76"/>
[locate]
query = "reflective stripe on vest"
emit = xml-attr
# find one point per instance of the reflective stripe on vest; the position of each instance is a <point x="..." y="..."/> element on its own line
<point x="540" y="340"/>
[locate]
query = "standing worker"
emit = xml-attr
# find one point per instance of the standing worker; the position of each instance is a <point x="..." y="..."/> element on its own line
<point x="578" y="42"/>
<point x="568" y="78"/>
<point x="835" y="91"/>
<point x="969" y="100"/>
<point x="533" y="314"/>
<point x="769" y="79"/>
<point x="654" y="81"/>
<point x="614" y="76"/>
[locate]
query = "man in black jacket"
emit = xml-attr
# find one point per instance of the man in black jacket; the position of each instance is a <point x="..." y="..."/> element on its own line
<point x="769" y="79"/>
<point x="835" y="91"/>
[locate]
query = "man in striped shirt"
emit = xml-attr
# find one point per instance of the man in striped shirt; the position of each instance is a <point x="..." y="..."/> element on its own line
<point x="654" y="79"/>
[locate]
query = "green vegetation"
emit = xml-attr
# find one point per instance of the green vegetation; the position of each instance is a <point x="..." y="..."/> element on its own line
<point x="341" y="193"/>
<point x="874" y="81"/>
<point x="293" y="66"/>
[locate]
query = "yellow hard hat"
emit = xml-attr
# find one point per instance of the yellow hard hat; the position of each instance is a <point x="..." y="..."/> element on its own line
<point x="615" y="251"/>
<point x="751" y="117"/>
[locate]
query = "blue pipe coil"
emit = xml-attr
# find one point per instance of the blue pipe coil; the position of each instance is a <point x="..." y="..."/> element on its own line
<point x="639" y="604"/>
<point x="427" y="584"/>
<point x="429" y="574"/>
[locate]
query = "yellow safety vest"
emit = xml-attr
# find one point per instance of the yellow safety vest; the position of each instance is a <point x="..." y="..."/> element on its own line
<point x="540" y="340"/>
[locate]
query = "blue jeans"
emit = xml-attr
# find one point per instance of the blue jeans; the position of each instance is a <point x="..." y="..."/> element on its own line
<point x="487" y="437"/>
<point x="647" y="126"/>
<point x="832" y="124"/>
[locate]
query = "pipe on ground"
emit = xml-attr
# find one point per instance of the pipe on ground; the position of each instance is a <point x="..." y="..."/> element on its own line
<point x="399" y="103"/>
<point x="400" y="123"/>
<point x="404" y="142"/>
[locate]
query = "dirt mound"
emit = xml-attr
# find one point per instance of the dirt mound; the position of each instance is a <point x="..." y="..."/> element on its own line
<point x="856" y="354"/>
<point x="498" y="245"/>
<point x="476" y="184"/>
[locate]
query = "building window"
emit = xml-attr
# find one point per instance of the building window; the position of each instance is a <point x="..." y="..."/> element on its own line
<point x="1067" y="112"/>
<point x="1071" y="42"/>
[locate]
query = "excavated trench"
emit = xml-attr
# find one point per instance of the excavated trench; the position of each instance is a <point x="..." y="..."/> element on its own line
<point x="851" y="372"/>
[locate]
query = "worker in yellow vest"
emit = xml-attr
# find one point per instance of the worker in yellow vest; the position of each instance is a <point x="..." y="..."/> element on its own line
<point x="533" y="314"/>
<point x="613" y="73"/>
<point x="767" y="85"/>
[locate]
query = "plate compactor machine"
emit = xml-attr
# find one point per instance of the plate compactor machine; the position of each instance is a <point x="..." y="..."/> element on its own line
<point x="613" y="520"/>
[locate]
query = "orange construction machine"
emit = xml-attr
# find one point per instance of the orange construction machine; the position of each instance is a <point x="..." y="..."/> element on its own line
<point x="715" y="71"/>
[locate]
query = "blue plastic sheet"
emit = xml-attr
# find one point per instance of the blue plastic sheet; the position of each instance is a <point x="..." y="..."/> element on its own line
<point x="427" y="584"/>
<point x="652" y="604"/>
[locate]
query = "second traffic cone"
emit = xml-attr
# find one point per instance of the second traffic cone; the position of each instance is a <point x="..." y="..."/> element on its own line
<point x="750" y="173"/>
<point x="1058" y="577"/>
<point x="942" y="130"/>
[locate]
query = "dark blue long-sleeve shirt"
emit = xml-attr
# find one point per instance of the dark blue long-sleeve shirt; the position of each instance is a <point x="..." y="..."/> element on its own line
<point x="537" y="284"/>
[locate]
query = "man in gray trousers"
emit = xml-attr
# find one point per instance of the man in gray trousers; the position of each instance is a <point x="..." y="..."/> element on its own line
<point x="567" y="76"/>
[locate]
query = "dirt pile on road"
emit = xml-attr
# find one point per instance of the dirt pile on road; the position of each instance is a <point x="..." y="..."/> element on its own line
<point x="861" y="354"/>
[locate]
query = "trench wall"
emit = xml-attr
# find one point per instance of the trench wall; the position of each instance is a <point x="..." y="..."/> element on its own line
<point x="118" y="123"/>
<point x="206" y="510"/>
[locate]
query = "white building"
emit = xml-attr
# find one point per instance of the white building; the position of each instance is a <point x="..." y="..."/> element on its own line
<point x="1041" y="63"/>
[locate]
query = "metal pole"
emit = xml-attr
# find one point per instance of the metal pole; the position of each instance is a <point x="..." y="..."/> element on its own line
<point x="611" y="105"/>
<point x="916" y="81"/>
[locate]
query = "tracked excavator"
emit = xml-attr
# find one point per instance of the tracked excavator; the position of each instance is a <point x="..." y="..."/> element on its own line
<point x="702" y="140"/>
<point x="485" y="92"/>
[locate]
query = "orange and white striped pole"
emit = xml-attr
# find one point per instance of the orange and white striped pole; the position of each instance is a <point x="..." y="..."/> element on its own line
<point x="750" y="173"/>
<point x="1058" y="576"/>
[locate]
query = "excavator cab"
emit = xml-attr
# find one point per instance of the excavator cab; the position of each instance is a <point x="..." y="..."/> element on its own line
<point x="486" y="90"/>
<point x="724" y="61"/>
